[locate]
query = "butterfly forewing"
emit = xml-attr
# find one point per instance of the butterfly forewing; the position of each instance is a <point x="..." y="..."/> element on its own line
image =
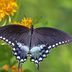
<point x="14" y="32"/>
<point x="51" y="35"/>
<point x="44" y="39"/>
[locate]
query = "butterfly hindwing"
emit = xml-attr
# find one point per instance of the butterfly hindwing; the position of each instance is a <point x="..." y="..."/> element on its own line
<point x="43" y="39"/>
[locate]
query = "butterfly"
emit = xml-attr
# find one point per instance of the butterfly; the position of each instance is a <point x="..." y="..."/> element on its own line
<point x="35" y="43"/>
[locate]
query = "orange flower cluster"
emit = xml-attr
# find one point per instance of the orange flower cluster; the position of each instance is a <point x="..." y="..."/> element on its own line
<point x="27" y="22"/>
<point x="5" y="67"/>
<point x="14" y="68"/>
<point x="7" y="8"/>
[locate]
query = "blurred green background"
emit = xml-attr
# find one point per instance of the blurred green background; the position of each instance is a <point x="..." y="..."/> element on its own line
<point x="49" y="13"/>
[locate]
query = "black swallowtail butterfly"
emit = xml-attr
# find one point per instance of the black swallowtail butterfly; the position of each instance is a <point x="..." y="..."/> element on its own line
<point x="35" y="43"/>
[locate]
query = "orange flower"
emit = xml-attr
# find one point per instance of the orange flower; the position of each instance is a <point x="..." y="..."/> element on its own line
<point x="10" y="8"/>
<point x="14" y="68"/>
<point x="2" y="15"/>
<point x="7" y="8"/>
<point x="20" y="70"/>
<point x="5" y="67"/>
<point x="26" y="22"/>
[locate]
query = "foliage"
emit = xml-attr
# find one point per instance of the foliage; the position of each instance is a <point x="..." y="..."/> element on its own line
<point x="49" y="13"/>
